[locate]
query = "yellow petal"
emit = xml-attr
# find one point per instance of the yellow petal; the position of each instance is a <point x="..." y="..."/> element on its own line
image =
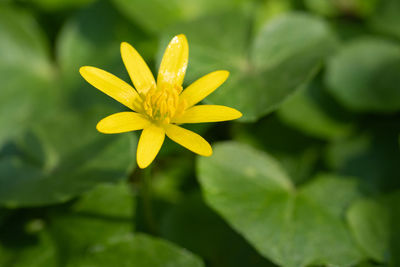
<point x="189" y="139"/>
<point x="137" y="68"/>
<point x="149" y="145"/>
<point x="174" y="62"/>
<point x="207" y="113"/>
<point x="204" y="86"/>
<point x="122" y="122"/>
<point x="112" y="86"/>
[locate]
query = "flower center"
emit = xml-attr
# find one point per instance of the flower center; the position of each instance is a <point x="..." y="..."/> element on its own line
<point x="162" y="104"/>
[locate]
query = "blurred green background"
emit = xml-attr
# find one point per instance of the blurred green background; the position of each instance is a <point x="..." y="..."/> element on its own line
<point x="310" y="176"/>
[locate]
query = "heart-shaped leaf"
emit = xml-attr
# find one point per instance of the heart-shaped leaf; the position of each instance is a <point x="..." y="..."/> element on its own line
<point x="97" y="231"/>
<point x="138" y="250"/>
<point x="89" y="233"/>
<point x="195" y="226"/>
<point x="87" y="40"/>
<point x="96" y="221"/>
<point x="57" y="5"/>
<point x="387" y="18"/>
<point x="38" y="253"/>
<point x="364" y="75"/>
<point x="26" y="73"/>
<point x="312" y="111"/>
<point x="155" y="16"/>
<point x="375" y="224"/>
<point x="62" y="158"/>
<point x="265" y="68"/>
<point x="291" y="226"/>
<point x="359" y="8"/>
<point x="371" y="156"/>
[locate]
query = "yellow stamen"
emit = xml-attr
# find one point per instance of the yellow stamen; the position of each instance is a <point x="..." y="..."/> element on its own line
<point x="162" y="104"/>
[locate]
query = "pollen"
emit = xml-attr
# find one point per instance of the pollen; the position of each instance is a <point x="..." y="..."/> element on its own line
<point x="162" y="104"/>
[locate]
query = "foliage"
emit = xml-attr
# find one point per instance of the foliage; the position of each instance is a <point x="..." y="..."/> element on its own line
<point x="309" y="176"/>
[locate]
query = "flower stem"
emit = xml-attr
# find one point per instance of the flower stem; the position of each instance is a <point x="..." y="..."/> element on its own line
<point x="147" y="199"/>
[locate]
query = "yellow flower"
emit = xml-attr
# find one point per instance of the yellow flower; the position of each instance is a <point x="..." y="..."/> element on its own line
<point x="158" y="108"/>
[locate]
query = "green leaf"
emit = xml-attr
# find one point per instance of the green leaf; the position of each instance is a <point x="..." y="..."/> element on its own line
<point x="24" y="243"/>
<point x="138" y="250"/>
<point x="41" y="252"/>
<point x="297" y="153"/>
<point x="195" y="226"/>
<point x="87" y="40"/>
<point x="326" y="8"/>
<point x="387" y="18"/>
<point x="358" y="8"/>
<point x="63" y="157"/>
<point x="57" y="5"/>
<point x="26" y="73"/>
<point x="267" y="10"/>
<point x="155" y="15"/>
<point x="363" y="76"/>
<point x="101" y="215"/>
<point x="374" y="223"/>
<point x="371" y="156"/>
<point x="260" y="65"/>
<point x="313" y="112"/>
<point x="291" y="226"/>
<point x="97" y="231"/>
